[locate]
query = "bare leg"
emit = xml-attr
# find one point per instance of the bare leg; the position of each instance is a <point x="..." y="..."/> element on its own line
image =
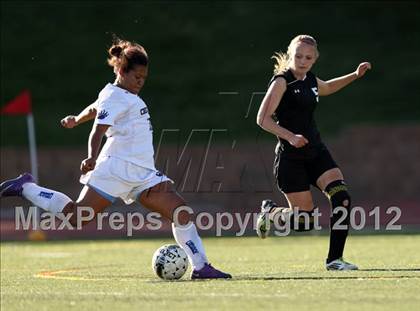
<point x="328" y="177"/>
<point x="88" y="198"/>
<point x="164" y="200"/>
<point x="300" y="200"/>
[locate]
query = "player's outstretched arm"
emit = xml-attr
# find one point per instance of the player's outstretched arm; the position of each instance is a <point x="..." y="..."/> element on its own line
<point x="87" y="114"/>
<point x="331" y="86"/>
<point x="268" y="107"/>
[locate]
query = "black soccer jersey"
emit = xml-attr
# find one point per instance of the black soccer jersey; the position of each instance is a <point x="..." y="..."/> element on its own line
<point x="296" y="110"/>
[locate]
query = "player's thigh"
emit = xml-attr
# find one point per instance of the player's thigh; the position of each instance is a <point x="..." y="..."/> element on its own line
<point x="301" y="200"/>
<point x="89" y="197"/>
<point x="88" y="205"/>
<point x="328" y="177"/>
<point x="162" y="198"/>
<point x="292" y="175"/>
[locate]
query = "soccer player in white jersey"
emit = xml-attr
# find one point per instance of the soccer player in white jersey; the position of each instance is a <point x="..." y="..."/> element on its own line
<point x="124" y="168"/>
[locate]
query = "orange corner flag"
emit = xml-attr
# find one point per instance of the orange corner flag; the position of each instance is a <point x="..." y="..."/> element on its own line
<point x="21" y="104"/>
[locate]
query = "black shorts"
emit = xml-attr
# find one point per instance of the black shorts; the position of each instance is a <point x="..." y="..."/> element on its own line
<point x="296" y="172"/>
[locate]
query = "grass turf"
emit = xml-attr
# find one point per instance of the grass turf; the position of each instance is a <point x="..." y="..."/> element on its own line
<point x="277" y="273"/>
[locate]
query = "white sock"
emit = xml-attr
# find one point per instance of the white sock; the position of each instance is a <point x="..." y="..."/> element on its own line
<point x="49" y="200"/>
<point x="188" y="238"/>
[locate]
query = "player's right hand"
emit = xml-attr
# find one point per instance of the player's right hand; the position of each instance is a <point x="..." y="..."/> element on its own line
<point x="69" y="122"/>
<point x="87" y="165"/>
<point x="362" y="68"/>
<point x="298" y="141"/>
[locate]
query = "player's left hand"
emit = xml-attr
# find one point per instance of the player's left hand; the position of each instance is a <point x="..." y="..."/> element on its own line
<point x="362" y="68"/>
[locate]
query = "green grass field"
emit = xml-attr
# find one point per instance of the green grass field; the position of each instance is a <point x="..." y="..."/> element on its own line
<point x="278" y="273"/>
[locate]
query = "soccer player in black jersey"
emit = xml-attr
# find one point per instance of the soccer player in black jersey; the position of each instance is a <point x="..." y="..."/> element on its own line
<point x="302" y="159"/>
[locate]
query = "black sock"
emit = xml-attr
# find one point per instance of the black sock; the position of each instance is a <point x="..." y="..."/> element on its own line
<point x="337" y="238"/>
<point x="339" y="198"/>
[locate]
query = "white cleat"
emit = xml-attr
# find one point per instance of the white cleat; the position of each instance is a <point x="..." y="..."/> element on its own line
<point x="340" y="265"/>
<point x="263" y="221"/>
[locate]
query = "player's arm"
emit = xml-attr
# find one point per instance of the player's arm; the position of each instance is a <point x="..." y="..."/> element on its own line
<point x="85" y="115"/>
<point x="94" y="144"/>
<point x="331" y="86"/>
<point x="265" y="114"/>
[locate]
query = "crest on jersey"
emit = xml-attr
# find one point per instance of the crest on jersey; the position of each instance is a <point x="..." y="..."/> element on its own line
<point x="102" y="114"/>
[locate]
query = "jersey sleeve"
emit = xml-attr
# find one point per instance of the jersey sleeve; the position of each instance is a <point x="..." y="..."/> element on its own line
<point x="95" y="103"/>
<point x="108" y="111"/>
<point x="275" y="78"/>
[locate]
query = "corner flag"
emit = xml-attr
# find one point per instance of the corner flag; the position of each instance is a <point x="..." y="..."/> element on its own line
<point x="21" y="105"/>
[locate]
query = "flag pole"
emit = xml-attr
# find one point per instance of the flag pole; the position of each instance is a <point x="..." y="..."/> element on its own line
<point x="32" y="146"/>
<point x="37" y="234"/>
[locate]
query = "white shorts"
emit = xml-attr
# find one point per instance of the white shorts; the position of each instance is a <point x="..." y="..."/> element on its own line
<point x="115" y="178"/>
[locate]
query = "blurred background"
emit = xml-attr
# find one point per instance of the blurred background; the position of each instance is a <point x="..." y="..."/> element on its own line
<point x="209" y="68"/>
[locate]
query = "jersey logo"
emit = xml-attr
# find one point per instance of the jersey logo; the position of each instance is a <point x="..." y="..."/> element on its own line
<point x="102" y="114"/>
<point x="296" y="91"/>
<point x="144" y="111"/>
<point x="315" y="90"/>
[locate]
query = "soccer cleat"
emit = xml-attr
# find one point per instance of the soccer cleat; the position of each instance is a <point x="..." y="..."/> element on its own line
<point x="208" y="272"/>
<point x="13" y="187"/>
<point x="340" y="265"/>
<point x="263" y="221"/>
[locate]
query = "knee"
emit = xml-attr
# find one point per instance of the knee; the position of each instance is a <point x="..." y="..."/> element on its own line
<point x="72" y="212"/>
<point x="184" y="218"/>
<point x="338" y="194"/>
<point x="69" y="208"/>
<point x="69" y="212"/>
<point x="182" y="215"/>
<point x="340" y="199"/>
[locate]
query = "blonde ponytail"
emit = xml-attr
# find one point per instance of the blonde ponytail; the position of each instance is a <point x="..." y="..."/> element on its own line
<point x="282" y="60"/>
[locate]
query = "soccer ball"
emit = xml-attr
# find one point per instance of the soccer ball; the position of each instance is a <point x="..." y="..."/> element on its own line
<point x="170" y="262"/>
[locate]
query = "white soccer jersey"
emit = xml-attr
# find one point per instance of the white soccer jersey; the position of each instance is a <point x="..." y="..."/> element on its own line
<point x="130" y="135"/>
